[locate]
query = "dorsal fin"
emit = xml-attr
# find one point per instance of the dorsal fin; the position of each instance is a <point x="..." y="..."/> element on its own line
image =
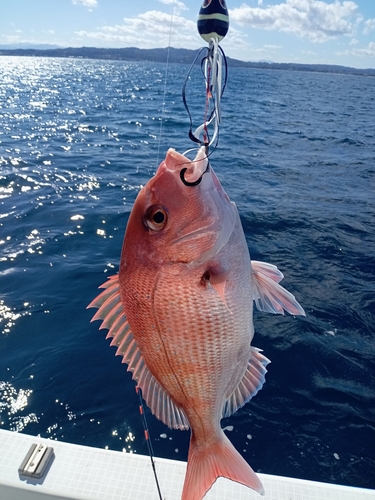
<point x="269" y="296"/>
<point x="111" y="311"/>
<point x="251" y="383"/>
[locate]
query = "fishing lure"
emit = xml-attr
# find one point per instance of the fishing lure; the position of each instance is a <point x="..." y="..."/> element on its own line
<point x="213" y="24"/>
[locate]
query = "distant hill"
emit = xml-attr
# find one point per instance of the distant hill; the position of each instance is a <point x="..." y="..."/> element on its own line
<point x="41" y="46"/>
<point x="185" y="56"/>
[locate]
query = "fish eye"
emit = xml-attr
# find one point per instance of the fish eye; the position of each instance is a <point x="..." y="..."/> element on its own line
<point x="155" y="217"/>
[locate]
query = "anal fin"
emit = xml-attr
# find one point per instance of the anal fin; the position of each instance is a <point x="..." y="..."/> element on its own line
<point x="251" y="383"/>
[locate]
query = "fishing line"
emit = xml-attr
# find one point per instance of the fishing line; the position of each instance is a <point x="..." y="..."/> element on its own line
<point x="138" y="389"/>
<point x="212" y="24"/>
<point x="211" y="31"/>
<point x="148" y="438"/>
<point x="165" y="83"/>
<point x="214" y="67"/>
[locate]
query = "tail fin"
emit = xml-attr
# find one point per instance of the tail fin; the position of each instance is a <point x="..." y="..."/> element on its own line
<point x="220" y="459"/>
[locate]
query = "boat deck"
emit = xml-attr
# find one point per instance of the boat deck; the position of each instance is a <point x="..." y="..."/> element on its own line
<point x="84" y="473"/>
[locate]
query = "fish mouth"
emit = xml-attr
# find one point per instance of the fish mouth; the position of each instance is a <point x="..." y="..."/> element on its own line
<point x="190" y="171"/>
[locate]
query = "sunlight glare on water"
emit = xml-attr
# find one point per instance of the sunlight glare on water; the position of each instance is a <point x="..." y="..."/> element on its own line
<point x="12" y="407"/>
<point x="78" y="139"/>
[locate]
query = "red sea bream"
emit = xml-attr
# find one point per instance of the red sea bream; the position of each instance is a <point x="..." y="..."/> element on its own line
<point x="180" y="312"/>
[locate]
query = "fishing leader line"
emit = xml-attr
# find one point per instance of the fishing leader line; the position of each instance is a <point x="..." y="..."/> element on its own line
<point x="137" y="388"/>
<point x="148" y="439"/>
<point x="213" y="24"/>
<point x="165" y="82"/>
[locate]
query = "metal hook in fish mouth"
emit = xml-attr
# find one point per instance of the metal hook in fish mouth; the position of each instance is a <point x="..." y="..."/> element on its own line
<point x="187" y="183"/>
<point x="194" y="183"/>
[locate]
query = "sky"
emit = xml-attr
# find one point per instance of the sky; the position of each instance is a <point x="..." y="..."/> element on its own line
<point x="302" y="31"/>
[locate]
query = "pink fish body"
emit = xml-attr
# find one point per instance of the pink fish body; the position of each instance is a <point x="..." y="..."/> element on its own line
<point x="180" y="313"/>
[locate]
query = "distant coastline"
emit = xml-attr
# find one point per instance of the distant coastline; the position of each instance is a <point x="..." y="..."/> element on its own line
<point x="183" y="56"/>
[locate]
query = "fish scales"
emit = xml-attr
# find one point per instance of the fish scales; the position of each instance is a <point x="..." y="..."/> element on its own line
<point x="183" y="345"/>
<point x="180" y="312"/>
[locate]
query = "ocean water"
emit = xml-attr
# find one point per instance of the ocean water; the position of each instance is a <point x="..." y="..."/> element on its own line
<point x="78" y="139"/>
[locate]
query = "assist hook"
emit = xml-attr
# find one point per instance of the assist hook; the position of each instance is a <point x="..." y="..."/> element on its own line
<point x="193" y="174"/>
<point x="213" y="24"/>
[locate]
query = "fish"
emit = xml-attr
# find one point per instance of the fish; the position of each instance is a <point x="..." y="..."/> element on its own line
<point x="180" y="312"/>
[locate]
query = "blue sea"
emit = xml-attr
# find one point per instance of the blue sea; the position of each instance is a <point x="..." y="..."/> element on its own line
<point x="78" y="139"/>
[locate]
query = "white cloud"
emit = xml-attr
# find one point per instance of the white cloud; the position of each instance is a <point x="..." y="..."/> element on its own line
<point x="369" y="26"/>
<point x="234" y="44"/>
<point x="313" y="19"/>
<point x="367" y="51"/>
<point x="10" y="38"/>
<point x="154" y="29"/>
<point x="273" y="47"/>
<point x="136" y="31"/>
<point x="86" y="3"/>
<point x="27" y="39"/>
<point x="370" y="50"/>
<point x="178" y="6"/>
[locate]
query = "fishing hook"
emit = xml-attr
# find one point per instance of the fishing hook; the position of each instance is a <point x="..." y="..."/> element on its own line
<point x="212" y="24"/>
<point x="212" y="68"/>
<point x="193" y="183"/>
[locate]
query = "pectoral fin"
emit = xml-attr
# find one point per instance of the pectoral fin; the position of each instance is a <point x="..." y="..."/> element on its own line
<point x="218" y="280"/>
<point x="217" y="277"/>
<point x="269" y="296"/>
